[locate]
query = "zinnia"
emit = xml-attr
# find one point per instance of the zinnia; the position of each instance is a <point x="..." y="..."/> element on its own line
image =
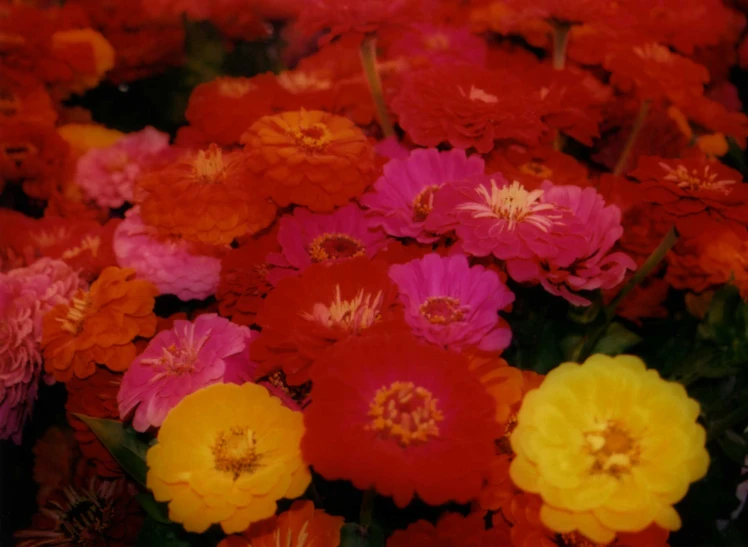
<point x="179" y="361"/>
<point x="452" y="530"/>
<point x="609" y="446"/>
<point x="207" y="460"/>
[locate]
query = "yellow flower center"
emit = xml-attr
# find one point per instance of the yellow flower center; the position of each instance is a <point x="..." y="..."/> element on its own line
<point x="88" y="243"/>
<point x="73" y="321"/>
<point x="574" y="539"/>
<point x="695" y="180"/>
<point x="296" y="81"/>
<point x="335" y="246"/>
<point x="512" y="203"/>
<point x="312" y="137"/>
<point x="478" y="94"/>
<point x="423" y="203"/>
<point x="405" y="412"/>
<point x="614" y="451"/>
<point x="439" y="41"/>
<point x="654" y="52"/>
<point x="208" y="166"/>
<point x="443" y="310"/>
<point x="536" y="169"/>
<point x="354" y="315"/>
<point x="235" y="451"/>
<point x="235" y="88"/>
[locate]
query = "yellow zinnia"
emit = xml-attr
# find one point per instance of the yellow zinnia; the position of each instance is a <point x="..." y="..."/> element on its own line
<point x="609" y="446"/>
<point x="226" y="454"/>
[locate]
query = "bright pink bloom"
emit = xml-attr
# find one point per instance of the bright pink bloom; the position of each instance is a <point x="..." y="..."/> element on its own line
<point x="594" y="266"/>
<point x="173" y="265"/>
<point x="108" y="174"/>
<point x="308" y="238"/>
<point x="451" y="304"/>
<point x="440" y="45"/>
<point x="180" y="361"/>
<point x="403" y="196"/>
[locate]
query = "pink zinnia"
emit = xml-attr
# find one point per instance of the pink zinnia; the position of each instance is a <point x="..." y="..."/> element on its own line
<point x="173" y="265"/>
<point x="308" y="238"/>
<point x="594" y="266"/>
<point x="490" y="215"/>
<point x="180" y="361"/>
<point x="440" y="45"/>
<point x="108" y="174"/>
<point x="451" y="304"/>
<point x="403" y="196"/>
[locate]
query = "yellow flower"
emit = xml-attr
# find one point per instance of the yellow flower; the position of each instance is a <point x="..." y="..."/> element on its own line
<point x="226" y="454"/>
<point x="609" y="446"/>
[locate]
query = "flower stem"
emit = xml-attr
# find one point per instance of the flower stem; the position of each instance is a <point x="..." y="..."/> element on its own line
<point x="367" y="508"/>
<point x="641" y="117"/>
<point x="560" y="42"/>
<point x="369" y="62"/>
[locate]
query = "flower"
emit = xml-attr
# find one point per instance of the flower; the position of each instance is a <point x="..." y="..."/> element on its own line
<point x="207" y="460"/>
<point x="327" y="304"/>
<point x="309" y="158"/>
<point x="308" y="238"/>
<point x="206" y="197"/>
<point x="173" y="265"/>
<point x="98" y="326"/>
<point x="440" y="44"/>
<point x="727" y="258"/>
<point x="300" y="526"/>
<point x="406" y="418"/>
<point x="532" y="166"/>
<point x="468" y="107"/>
<point x="454" y="305"/>
<point x="179" y="361"/>
<point x="452" y="530"/>
<point x="609" y="446"/>
<point x="403" y="196"/>
<point x="108" y="174"/>
<point x="54" y="458"/>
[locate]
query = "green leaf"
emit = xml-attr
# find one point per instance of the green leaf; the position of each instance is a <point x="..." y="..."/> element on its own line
<point x="735" y="446"/>
<point x="156" y="510"/>
<point x="355" y="535"/>
<point x="124" y="444"/>
<point x="158" y="534"/>
<point x="616" y="340"/>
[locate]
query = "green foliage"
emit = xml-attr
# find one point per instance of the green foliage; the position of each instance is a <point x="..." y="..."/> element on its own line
<point x="355" y="535"/>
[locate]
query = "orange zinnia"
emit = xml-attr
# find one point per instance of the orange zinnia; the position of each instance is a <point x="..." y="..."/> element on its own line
<point x="310" y="158"/>
<point x="206" y="197"/>
<point x="98" y="326"/>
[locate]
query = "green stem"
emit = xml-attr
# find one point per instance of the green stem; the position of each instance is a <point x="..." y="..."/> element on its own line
<point x="367" y="508"/>
<point x="369" y="63"/>
<point x="641" y="117"/>
<point x="560" y="43"/>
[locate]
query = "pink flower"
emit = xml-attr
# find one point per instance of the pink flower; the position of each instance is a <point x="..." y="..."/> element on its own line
<point x="108" y="174"/>
<point x="403" y="196"/>
<point x="173" y="265"/>
<point x="594" y="266"/>
<point x="440" y="45"/>
<point x="180" y="361"/>
<point x="452" y="304"/>
<point x="490" y="215"/>
<point x="307" y="238"/>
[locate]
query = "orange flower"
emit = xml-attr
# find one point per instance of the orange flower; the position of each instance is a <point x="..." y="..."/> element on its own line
<point x="98" y="326"/>
<point x="309" y="158"/>
<point x="531" y="166"/>
<point x="205" y="197"/>
<point x="727" y="257"/>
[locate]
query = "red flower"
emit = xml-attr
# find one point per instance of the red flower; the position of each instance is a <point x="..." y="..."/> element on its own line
<point x="644" y="302"/>
<point x="405" y="418"/>
<point x="714" y="117"/>
<point x="452" y="530"/>
<point x="532" y="166"/>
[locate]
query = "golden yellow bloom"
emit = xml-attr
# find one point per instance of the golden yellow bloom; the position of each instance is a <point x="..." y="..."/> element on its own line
<point x="226" y="454"/>
<point x="609" y="446"/>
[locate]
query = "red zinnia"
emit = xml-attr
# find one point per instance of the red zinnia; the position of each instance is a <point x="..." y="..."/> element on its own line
<point x="452" y="530"/>
<point x="532" y="166"/>
<point x="406" y="418"/>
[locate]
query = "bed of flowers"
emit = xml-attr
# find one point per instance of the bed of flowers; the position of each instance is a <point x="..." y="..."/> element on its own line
<point x="373" y="273"/>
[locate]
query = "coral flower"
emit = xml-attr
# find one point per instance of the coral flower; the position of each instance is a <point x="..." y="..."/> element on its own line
<point x="406" y="418"/>
<point x="468" y="107"/>
<point x="452" y="530"/>
<point x="174" y="265"/>
<point x="609" y="446"/>
<point x="451" y="304"/>
<point x="208" y="197"/>
<point x="308" y="238"/>
<point x="306" y="315"/>
<point x="179" y="361"/>
<point x="532" y="166"/>
<point x="309" y="158"/>
<point x="404" y="195"/>
<point x="226" y="454"/>
<point x="98" y="326"/>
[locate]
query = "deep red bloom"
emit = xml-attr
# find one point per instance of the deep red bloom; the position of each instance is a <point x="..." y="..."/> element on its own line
<point x="405" y="418"/>
<point x="532" y="166"/>
<point x="452" y="530"/>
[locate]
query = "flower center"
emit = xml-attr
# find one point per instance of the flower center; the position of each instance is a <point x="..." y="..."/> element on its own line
<point x="536" y="169"/>
<point x="235" y="88"/>
<point x="88" y="243"/>
<point x="73" y="321"/>
<point x="654" y="52"/>
<point x="335" y="246"/>
<point x="180" y="358"/>
<point x="693" y="180"/>
<point x="512" y="203"/>
<point x="574" y="539"/>
<point x="437" y="41"/>
<point x="354" y="315"/>
<point x="613" y="449"/>
<point x="423" y="204"/>
<point x="312" y="137"/>
<point x="296" y="81"/>
<point x="443" y="310"/>
<point x="405" y="412"/>
<point x="235" y="451"/>
<point x="477" y="94"/>
<point x="207" y="166"/>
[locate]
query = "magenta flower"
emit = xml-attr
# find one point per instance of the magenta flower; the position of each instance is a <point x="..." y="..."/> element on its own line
<point x="180" y="361"/>
<point x="594" y="266"/>
<point x="308" y="238"/>
<point x="173" y="265"/>
<point x="440" y="45"/>
<point x="403" y="196"/>
<point x="451" y="304"/>
<point x="108" y="174"/>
